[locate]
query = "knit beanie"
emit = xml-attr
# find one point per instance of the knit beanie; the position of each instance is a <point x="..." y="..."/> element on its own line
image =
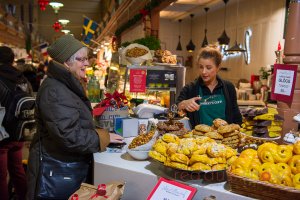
<point x="64" y="47"/>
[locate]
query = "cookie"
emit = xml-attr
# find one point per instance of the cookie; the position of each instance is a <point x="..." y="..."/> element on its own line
<point x="195" y="132"/>
<point x="234" y="133"/>
<point x="230" y="138"/>
<point x="219" y="122"/>
<point x="203" y="128"/>
<point x="225" y="129"/>
<point x="214" y="135"/>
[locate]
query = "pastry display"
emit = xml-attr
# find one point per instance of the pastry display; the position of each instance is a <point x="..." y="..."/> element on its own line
<point x="164" y="56"/>
<point x="276" y="164"/>
<point x="193" y="154"/>
<point x="172" y="126"/>
<point x="262" y="122"/>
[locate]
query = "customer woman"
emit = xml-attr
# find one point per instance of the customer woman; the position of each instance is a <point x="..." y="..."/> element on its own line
<point x="209" y="97"/>
<point x="65" y="129"/>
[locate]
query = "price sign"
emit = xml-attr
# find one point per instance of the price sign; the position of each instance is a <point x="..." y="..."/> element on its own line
<point x="170" y="190"/>
<point x="284" y="82"/>
<point x="137" y="80"/>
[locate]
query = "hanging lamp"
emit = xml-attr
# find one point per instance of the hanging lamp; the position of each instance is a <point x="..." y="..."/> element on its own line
<point x="191" y="47"/>
<point x="179" y="48"/>
<point x="205" y="42"/>
<point x="236" y="47"/>
<point x="224" y="39"/>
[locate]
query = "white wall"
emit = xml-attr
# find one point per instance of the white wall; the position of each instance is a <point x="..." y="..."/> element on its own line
<point x="135" y="33"/>
<point x="264" y="17"/>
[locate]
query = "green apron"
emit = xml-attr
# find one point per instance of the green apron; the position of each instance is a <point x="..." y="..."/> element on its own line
<point x="212" y="108"/>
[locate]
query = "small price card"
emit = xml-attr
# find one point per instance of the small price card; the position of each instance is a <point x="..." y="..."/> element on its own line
<point x="284" y="82"/>
<point x="171" y="190"/>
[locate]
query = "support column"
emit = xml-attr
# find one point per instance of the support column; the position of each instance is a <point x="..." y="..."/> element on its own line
<point x="292" y="56"/>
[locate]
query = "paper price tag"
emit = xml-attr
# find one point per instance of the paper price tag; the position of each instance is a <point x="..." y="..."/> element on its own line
<point x="171" y="190"/>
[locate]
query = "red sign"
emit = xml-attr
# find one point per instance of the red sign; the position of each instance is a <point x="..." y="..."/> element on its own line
<point x="168" y="189"/>
<point x="137" y="80"/>
<point x="284" y="82"/>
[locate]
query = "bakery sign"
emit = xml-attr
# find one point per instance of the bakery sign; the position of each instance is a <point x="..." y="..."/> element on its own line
<point x="284" y="82"/>
<point x="137" y="80"/>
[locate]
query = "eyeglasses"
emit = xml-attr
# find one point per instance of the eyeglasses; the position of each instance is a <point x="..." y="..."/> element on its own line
<point x="81" y="59"/>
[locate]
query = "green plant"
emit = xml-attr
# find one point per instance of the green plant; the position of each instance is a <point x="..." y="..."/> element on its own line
<point x="151" y="42"/>
<point x="264" y="74"/>
<point x="125" y="44"/>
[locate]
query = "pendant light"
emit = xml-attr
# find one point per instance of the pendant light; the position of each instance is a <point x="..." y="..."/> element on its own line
<point x="224" y="39"/>
<point x="179" y="48"/>
<point x="236" y="48"/>
<point x="205" y="42"/>
<point x="191" y="47"/>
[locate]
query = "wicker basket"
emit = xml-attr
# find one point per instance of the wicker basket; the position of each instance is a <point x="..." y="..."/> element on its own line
<point x="260" y="189"/>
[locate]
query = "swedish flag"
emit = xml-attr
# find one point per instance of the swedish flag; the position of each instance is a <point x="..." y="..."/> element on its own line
<point x="89" y="28"/>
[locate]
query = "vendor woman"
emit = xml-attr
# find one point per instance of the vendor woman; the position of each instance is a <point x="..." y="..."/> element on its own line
<point x="209" y="97"/>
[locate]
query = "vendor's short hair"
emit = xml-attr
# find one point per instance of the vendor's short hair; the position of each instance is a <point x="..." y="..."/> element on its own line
<point x="7" y="55"/>
<point x="212" y="52"/>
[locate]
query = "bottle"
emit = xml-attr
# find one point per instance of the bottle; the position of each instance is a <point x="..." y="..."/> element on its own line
<point x="94" y="90"/>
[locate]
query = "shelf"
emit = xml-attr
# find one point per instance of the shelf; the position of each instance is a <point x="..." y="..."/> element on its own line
<point x="250" y="103"/>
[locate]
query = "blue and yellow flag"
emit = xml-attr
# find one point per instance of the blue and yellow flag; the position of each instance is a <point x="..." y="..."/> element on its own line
<point x="89" y="28"/>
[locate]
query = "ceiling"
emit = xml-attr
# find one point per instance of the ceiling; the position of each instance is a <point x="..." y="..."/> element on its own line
<point x="74" y="10"/>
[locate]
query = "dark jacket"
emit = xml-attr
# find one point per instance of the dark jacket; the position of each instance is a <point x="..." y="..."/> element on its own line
<point x="64" y="122"/>
<point x="232" y="111"/>
<point x="10" y="78"/>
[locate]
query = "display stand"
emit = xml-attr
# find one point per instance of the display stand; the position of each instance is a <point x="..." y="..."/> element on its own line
<point x="174" y="89"/>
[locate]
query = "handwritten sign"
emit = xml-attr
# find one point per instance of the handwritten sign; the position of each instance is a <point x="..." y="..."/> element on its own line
<point x="137" y="80"/>
<point x="284" y="82"/>
<point x="168" y="190"/>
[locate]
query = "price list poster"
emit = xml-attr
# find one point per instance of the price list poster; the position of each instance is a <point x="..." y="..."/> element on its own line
<point x="284" y="80"/>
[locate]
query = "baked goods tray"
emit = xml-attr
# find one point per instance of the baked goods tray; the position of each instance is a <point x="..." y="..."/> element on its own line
<point x="260" y="189"/>
<point x="185" y="170"/>
<point x="260" y="138"/>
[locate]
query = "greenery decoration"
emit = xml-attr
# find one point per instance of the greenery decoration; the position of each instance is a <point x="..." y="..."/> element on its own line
<point x="264" y="74"/>
<point x="150" y="41"/>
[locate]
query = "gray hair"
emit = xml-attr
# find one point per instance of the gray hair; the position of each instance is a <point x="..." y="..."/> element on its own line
<point x="72" y="58"/>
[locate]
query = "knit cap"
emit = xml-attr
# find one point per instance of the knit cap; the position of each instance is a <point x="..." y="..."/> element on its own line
<point x="64" y="47"/>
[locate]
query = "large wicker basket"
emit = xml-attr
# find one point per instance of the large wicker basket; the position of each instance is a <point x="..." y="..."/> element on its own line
<point x="260" y="189"/>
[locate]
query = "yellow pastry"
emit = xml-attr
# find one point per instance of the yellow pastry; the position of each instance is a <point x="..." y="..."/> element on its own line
<point x="273" y="134"/>
<point x="248" y="153"/>
<point x="254" y="170"/>
<point x="181" y="158"/>
<point x="240" y="172"/>
<point x="230" y="152"/>
<point x="296" y="149"/>
<point x="296" y="181"/>
<point x="157" y="156"/>
<point x="199" y="158"/>
<point x="267" y="151"/>
<point x="218" y="167"/>
<point x="231" y="160"/>
<point x="242" y="163"/>
<point x="170" y="138"/>
<point x="204" y="139"/>
<point x="161" y="148"/>
<point x="199" y="166"/>
<point x="188" y="135"/>
<point x="187" y="146"/>
<point x="219" y="160"/>
<point x="284" y="169"/>
<point x="268" y="166"/>
<point x="294" y="163"/>
<point x="267" y="116"/>
<point x="172" y="148"/>
<point x="176" y="165"/>
<point x="283" y="153"/>
<point x="286" y="180"/>
<point x="216" y="150"/>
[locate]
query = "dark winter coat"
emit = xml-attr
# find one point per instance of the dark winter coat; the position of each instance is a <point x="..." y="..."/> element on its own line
<point x="64" y="122"/>
<point x="232" y="111"/>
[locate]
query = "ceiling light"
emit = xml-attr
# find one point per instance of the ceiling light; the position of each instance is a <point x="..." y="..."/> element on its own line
<point x="56" y="6"/>
<point x="205" y="42"/>
<point x="224" y="39"/>
<point x="65" y="31"/>
<point x="64" y="22"/>
<point x="236" y="48"/>
<point x="191" y="47"/>
<point x="179" y="48"/>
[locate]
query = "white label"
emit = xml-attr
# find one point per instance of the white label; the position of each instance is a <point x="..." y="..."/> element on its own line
<point x="166" y="191"/>
<point x="284" y="82"/>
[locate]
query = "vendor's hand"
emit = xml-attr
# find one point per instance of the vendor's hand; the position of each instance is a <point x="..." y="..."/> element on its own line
<point x="190" y="105"/>
<point x="115" y="138"/>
